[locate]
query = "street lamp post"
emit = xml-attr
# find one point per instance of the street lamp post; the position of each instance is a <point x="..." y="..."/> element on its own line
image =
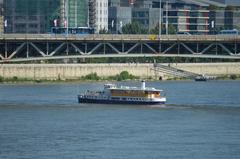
<point x="213" y="26"/>
<point x="76" y="5"/>
<point x="5" y="26"/>
<point x="160" y="24"/>
<point x="166" y="18"/>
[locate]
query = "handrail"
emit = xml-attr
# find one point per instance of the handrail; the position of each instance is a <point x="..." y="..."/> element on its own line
<point x="151" y="37"/>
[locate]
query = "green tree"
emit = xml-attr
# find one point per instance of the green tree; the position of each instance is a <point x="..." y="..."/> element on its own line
<point x="155" y="30"/>
<point x="172" y="29"/>
<point x="134" y="28"/>
<point x="103" y="31"/>
<point x="124" y="75"/>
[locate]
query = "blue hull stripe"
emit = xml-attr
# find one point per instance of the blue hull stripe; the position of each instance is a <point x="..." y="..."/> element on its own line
<point x="101" y="101"/>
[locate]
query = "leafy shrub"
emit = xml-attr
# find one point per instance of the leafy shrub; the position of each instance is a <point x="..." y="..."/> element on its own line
<point x="124" y="75"/>
<point x="1" y="79"/>
<point x="233" y="77"/>
<point x="92" y="76"/>
<point x="15" y="78"/>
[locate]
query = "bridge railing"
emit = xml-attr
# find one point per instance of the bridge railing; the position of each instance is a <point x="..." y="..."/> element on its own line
<point x="117" y="37"/>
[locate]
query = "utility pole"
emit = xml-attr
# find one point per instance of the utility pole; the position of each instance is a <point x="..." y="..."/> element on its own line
<point x="88" y="16"/>
<point x="67" y="9"/>
<point x="160" y="18"/>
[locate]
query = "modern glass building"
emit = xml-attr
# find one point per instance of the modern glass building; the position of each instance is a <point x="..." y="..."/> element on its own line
<point x="118" y="17"/>
<point x="38" y="16"/>
<point x="77" y="13"/>
<point x="147" y="17"/>
<point x="30" y="16"/>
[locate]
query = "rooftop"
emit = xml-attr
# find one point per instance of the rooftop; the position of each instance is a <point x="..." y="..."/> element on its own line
<point x="203" y="3"/>
<point x="218" y="4"/>
<point x="196" y="3"/>
<point x="134" y="88"/>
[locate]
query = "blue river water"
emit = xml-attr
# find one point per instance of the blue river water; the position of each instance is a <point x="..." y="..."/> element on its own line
<point x="200" y="120"/>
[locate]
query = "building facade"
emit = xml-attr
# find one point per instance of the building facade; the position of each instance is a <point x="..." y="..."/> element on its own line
<point x="101" y="15"/>
<point x="74" y="13"/>
<point x="216" y="20"/>
<point x="193" y="16"/>
<point x="147" y="17"/>
<point x="30" y="16"/>
<point x="113" y="3"/>
<point x="187" y="16"/>
<point x="98" y="14"/>
<point x="118" y="17"/>
<point x="232" y="20"/>
<point x="141" y="3"/>
<point x="39" y="16"/>
<point x="92" y="13"/>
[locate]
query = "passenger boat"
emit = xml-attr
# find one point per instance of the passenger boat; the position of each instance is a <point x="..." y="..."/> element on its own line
<point x="124" y="95"/>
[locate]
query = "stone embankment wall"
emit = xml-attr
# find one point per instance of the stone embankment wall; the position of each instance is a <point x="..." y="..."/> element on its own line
<point x="74" y="71"/>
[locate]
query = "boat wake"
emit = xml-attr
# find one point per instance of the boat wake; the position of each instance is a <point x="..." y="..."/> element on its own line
<point x="202" y="106"/>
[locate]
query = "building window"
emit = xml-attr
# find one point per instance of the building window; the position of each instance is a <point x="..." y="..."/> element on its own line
<point x="32" y="17"/>
<point x="33" y="25"/>
<point x="20" y="17"/>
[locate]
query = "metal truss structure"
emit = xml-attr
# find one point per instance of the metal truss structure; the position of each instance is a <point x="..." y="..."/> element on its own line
<point x="27" y="47"/>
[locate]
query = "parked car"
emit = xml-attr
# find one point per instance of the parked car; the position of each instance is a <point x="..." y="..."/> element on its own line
<point x="183" y="33"/>
<point x="229" y="32"/>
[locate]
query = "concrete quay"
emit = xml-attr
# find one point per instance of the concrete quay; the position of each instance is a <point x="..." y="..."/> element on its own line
<point x="75" y="71"/>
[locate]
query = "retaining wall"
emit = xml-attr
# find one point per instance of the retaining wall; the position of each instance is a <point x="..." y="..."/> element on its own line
<point x="74" y="71"/>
